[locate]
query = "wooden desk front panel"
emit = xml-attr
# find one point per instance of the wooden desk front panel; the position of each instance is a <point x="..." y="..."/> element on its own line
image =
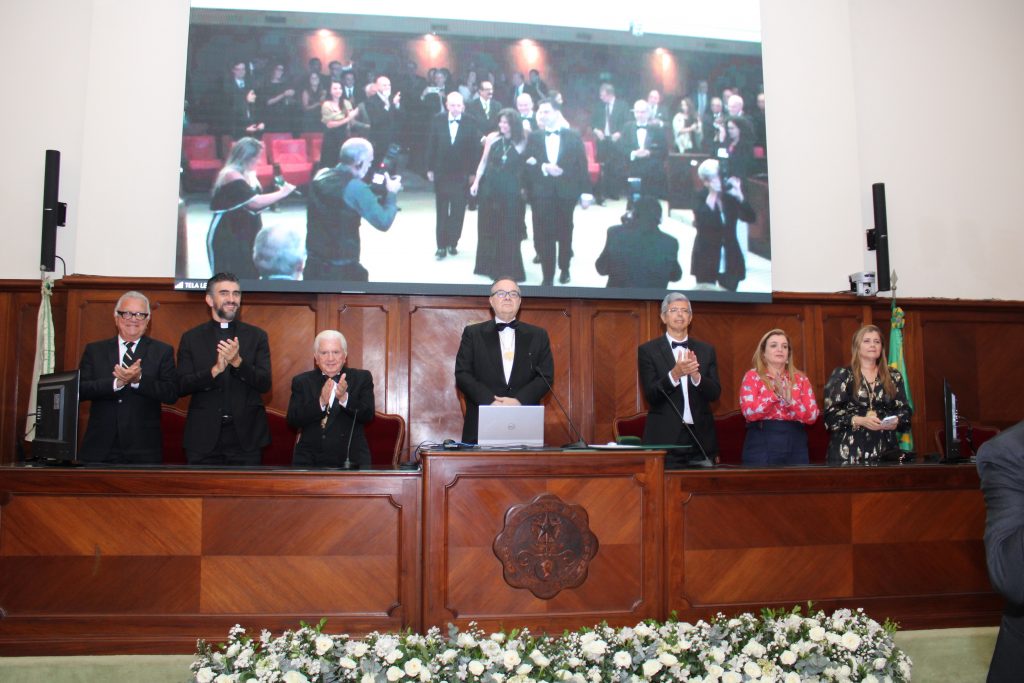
<point x="902" y="542"/>
<point x="148" y="561"/>
<point x="467" y="496"/>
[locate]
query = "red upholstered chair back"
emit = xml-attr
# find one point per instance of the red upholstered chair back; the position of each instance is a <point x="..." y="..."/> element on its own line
<point x="314" y="141"/>
<point x="632" y="425"/>
<point x="385" y="434"/>
<point x="817" y="441"/>
<point x="289" y="152"/>
<point x="593" y="168"/>
<point x="731" y="429"/>
<point x="282" y="440"/>
<point x="172" y="430"/>
<point x="979" y="434"/>
<point x="199" y="147"/>
<point x="268" y="143"/>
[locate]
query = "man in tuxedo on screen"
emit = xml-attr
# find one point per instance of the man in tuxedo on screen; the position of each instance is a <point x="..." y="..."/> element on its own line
<point x="501" y="361"/>
<point x="485" y="108"/>
<point x="453" y="152"/>
<point x="607" y="122"/>
<point x="1001" y="468"/>
<point x="524" y="105"/>
<point x="556" y="179"/>
<point x="224" y="364"/>
<point x="126" y="378"/>
<point x="645" y="148"/>
<point x="677" y="370"/>
<point x="382" y="108"/>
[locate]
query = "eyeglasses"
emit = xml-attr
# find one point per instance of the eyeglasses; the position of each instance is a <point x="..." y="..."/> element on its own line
<point x="677" y="311"/>
<point x="132" y="315"/>
<point x="502" y="294"/>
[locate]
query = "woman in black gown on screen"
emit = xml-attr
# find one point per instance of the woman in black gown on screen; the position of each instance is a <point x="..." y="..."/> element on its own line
<point x="498" y="183"/>
<point x="236" y="205"/>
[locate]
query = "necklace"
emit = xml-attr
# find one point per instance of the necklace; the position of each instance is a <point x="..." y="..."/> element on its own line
<point x="870" y="386"/>
<point x="505" y="147"/>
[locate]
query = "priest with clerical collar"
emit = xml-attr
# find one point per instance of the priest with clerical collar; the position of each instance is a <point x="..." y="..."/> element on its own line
<point x="329" y="405"/>
<point x="502" y="361"/>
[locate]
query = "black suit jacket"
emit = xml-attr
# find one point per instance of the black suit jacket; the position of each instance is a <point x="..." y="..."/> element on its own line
<point x="480" y="376"/>
<point x="131" y="414"/>
<point x="325" y="446"/>
<point x="650" y="170"/>
<point x="1001" y="468"/>
<point x="236" y="391"/>
<point x="383" y="124"/>
<point x="572" y="158"/>
<point x="453" y="163"/>
<point x="619" y="116"/>
<point x="639" y="257"/>
<point x="654" y="360"/>
<point x="486" y="122"/>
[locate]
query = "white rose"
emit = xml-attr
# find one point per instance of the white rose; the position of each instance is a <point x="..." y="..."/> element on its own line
<point x="651" y="667"/>
<point x="732" y="677"/>
<point x="667" y="658"/>
<point x="358" y="649"/>
<point x="833" y="638"/>
<point x="393" y="656"/>
<point x="622" y="659"/>
<point x="367" y="678"/>
<point x="792" y="677"/>
<point x="788" y="657"/>
<point x="498" y="637"/>
<point x="539" y="659"/>
<point x="752" y="669"/>
<point x="574" y="662"/>
<point x="851" y="641"/>
<point x="870" y="678"/>
<point x="476" y="667"/>
<point x="323" y="645"/>
<point x="413" y="667"/>
<point x="816" y="634"/>
<point x="394" y="673"/>
<point x="204" y="675"/>
<point x="754" y="649"/>
<point x="595" y="648"/>
<point x="465" y="641"/>
<point x="879" y="663"/>
<point x="347" y="663"/>
<point x="224" y="678"/>
<point x="718" y="654"/>
<point x="294" y="677"/>
<point x="510" y="658"/>
<point x="715" y="671"/>
<point x="643" y="631"/>
<point x="524" y="669"/>
<point x="233" y="650"/>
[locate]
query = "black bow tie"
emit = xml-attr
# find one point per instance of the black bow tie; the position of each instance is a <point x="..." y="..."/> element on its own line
<point x="500" y="326"/>
<point x="336" y="378"/>
<point x="451" y="121"/>
<point x="682" y="343"/>
<point x="643" y="127"/>
<point x="554" y="132"/>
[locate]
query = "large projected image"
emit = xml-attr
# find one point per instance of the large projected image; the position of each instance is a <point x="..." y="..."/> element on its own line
<point x="579" y="160"/>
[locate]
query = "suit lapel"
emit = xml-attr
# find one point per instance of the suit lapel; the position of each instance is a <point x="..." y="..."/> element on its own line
<point x="492" y="344"/>
<point x="521" y="361"/>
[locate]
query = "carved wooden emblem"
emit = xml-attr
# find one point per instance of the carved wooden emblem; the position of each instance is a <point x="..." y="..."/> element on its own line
<point x="546" y="546"/>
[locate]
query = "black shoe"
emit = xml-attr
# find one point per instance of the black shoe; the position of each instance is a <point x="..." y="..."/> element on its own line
<point x="440" y="254"/>
<point x="564" y="277"/>
<point x="536" y="259"/>
<point x="453" y="251"/>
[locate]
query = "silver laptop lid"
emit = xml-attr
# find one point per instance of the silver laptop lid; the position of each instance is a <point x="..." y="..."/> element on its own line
<point x="511" y="426"/>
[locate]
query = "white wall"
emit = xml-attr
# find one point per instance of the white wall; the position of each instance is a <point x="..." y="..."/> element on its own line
<point x="908" y="93"/>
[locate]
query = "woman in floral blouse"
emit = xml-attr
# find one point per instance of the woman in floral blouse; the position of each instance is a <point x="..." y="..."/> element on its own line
<point x="865" y="403"/>
<point x="777" y="401"/>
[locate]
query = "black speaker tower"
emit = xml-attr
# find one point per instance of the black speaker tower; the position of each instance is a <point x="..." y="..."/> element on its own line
<point x="878" y="238"/>
<point x="54" y="212"/>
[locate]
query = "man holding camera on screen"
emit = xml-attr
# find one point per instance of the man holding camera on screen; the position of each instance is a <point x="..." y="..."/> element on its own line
<point x="338" y="201"/>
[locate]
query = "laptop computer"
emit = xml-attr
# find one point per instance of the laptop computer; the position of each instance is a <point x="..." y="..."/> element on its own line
<point x="505" y="426"/>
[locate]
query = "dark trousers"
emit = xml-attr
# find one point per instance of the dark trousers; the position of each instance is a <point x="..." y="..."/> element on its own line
<point x="1008" y="657"/>
<point x="228" y="451"/>
<point x="450" y="201"/>
<point x="775" y="442"/>
<point x="552" y="230"/>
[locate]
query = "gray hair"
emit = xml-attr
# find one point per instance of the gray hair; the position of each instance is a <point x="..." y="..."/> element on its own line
<point x="279" y="250"/>
<point x="673" y="297"/>
<point x="354" y="152"/>
<point x="708" y="169"/>
<point x="131" y="295"/>
<point x="330" y="334"/>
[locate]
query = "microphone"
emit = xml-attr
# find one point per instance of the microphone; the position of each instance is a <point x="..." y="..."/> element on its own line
<point x="705" y="461"/>
<point x="348" y="464"/>
<point x="579" y="442"/>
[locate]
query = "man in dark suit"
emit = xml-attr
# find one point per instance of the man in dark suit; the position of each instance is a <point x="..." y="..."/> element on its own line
<point x="1001" y="467"/>
<point x="500" y="362"/>
<point x="485" y="108"/>
<point x="518" y="87"/>
<point x="382" y="109"/>
<point x="679" y="375"/>
<point x="224" y="364"/>
<point x="658" y="116"/>
<point x="638" y="254"/>
<point x="556" y="179"/>
<point x="126" y="378"/>
<point x="607" y="122"/>
<point x="453" y="152"/>
<point x="645" y="148"/>
<point x="535" y="87"/>
<point x="350" y="91"/>
<point x="524" y="105"/>
<point x="330" y="405"/>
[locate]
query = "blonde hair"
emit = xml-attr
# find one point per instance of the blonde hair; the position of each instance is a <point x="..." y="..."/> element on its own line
<point x="761" y="367"/>
<point x="888" y="387"/>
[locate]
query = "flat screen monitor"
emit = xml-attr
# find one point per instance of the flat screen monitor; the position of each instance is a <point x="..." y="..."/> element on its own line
<point x="56" y="435"/>
<point x="950" y="418"/>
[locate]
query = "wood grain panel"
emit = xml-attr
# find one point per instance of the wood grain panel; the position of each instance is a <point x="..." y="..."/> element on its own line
<point x="100" y="527"/>
<point x="741" y="521"/>
<point x="238" y="585"/>
<point x="927" y="568"/>
<point x="365" y="324"/>
<point x="911" y="516"/>
<point x="768" y="576"/>
<point x="308" y="527"/>
<point x="100" y="585"/>
<point x="616" y="330"/>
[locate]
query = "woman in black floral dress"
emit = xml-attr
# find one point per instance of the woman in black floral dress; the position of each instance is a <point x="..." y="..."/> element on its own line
<point x="865" y="403"/>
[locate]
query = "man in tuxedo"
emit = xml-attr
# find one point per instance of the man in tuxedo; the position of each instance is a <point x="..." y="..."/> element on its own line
<point x="502" y="361"/>
<point x="658" y="115"/>
<point x="637" y="253"/>
<point x="126" y="378"/>
<point x="536" y="88"/>
<point x="485" y="108"/>
<point x="518" y="87"/>
<point x="607" y="122"/>
<point x="679" y="375"/>
<point x="350" y="91"/>
<point x="383" y="110"/>
<point x="701" y="103"/>
<point x="524" y="105"/>
<point x="330" y="405"/>
<point x="1001" y="468"/>
<point x="713" y="125"/>
<point x="556" y="179"/>
<point x="645" y="147"/>
<point x="453" y="152"/>
<point x="224" y="364"/>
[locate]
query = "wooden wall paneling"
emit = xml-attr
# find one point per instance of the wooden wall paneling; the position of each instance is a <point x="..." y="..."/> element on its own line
<point x="366" y="323"/>
<point x="611" y="388"/>
<point x="557" y="317"/>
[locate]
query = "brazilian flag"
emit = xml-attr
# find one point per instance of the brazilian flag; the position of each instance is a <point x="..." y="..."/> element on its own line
<point x="897" y="362"/>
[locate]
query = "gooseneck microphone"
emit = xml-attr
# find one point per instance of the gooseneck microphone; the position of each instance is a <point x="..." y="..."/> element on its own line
<point x="705" y="461"/>
<point x="348" y="464"/>
<point x="579" y="442"/>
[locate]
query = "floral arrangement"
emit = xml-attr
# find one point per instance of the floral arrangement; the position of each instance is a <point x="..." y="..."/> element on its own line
<point x="778" y="646"/>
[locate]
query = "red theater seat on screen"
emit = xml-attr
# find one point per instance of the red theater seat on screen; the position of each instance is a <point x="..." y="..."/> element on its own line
<point x="291" y="157"/>
<point x="268" y="142"/>
<point x="593" y="168"/>
<point x="314" y="141"/>
<point x="201" y="161"/>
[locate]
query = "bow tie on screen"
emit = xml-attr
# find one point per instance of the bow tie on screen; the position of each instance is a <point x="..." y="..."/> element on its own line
<point x="643" y="127"/>
<point x="513" y="325"/>
<point x="682" y="343"/>
<point x="451" y="121"/>
<point x="553" y="132"/>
